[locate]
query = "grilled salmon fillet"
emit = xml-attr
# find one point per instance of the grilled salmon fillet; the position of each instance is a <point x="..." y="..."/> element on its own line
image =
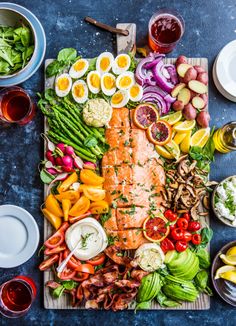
<point x="120" y="118"/>
<point x="128" y="239"/>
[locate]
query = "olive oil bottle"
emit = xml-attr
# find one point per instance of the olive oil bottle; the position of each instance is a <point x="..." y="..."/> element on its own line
<point x="225" y="138"/>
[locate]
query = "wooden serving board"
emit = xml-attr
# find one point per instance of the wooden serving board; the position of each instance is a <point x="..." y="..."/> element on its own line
<point x="124" y="45"/>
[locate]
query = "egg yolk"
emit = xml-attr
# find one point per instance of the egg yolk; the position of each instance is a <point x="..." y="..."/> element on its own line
<point x="122" y="62"/>
<point x="95" y="80"/>
<point x="109" y="82"/>
<point x="63" y="83"/>
<point x="79" y="65"/>
<point x="104" y="63"/>
<point x="134" y="91"/>
<point x="125" y="81"/>
<point x="79" y="90"/>
<point x="117" y="98"/>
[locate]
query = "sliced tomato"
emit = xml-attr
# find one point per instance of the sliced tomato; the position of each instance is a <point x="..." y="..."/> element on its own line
<point x="57" y="238"/>
<point x="67" y="273"/>
<point x="98" y="260"/>
<point x="73" y="263"/>
<point x="85" y="268"/>
<point x="48" y="262"/>
<point x="79" y="277"/>
<point x="56" y="250"/>
<point x="73" y="219"/>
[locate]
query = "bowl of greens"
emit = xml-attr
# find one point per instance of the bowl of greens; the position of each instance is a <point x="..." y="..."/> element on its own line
<point x="18" y="42"/>
<point x="224" y="201"/>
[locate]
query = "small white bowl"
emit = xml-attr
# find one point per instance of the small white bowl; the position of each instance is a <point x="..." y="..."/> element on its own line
<point x="222" y="219"/>
<point x="11" y="17"/>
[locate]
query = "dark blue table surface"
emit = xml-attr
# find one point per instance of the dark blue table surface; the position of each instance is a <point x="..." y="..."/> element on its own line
<point x="209" y="26"/>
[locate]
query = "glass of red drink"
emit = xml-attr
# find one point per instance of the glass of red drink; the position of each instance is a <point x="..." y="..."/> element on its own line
<point x="16" y="106"/>
<point x="166" y="27"/>
<point x="17" y="296"/>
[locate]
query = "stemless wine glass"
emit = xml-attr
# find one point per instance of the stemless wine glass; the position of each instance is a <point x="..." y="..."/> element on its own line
<point x="17" y="296"/>
<point x="16" y="106"/>
<point x="165" y="29"/>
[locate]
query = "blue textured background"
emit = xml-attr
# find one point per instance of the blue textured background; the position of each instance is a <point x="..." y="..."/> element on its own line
<point x="209" y="26"/>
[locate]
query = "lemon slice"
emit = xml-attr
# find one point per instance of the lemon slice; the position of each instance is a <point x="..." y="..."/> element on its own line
<point x="230" y="260"/>
<point x="163" y="152"/>
<point x="179" y="137"/>
<point x="231" y="251"/>
<point x="173" y="148"/>
<point x="183" y="126"/>
<point x="200" y="137"/>
<point x="172" y="118"/>
<point x="224" y="269"/>
<point x="229" y="276"/>
<point x="185" y="145"/>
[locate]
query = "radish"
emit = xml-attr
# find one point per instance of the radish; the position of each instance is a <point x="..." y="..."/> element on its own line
<point x="50" y="144"/>
<point x="70" y="151"/>
<point x="90" y="165"/>
<point x="52" y="171"/>
<point x="49" y="165"/>
<point x="61" y="147"/>
<point x="78" y="163"/>
<point x="60" y="177"/>
<point x="67" y="161"/>
<point x="50" y="157"/>
<point x="58" y="161"/>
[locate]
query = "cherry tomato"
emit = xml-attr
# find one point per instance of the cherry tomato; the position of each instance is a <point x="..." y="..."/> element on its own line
<point x="85" y="268"/>
<point x="79" y="277"/>
<point x="194" y="226"/>
<point x="57" y="238"/>
<point x="182" y="223"/>
<point x="181" y="245"/>
<point x="167" y="245"/>
<point x="98" y="260"/>
<point x="73" y="263"/>
<point x="48" y="262"/>
<point x="172" y="226"/>
<point x="67" y="273"/>
<point x="56" y="250"/>
<point x="177" y="234"/>
<point x="170" y="215"/>
<point x="187" y="236"/>
<point x="187" y="216"/>
<point x="196" y="239"/>
<point x="73" y="219"/>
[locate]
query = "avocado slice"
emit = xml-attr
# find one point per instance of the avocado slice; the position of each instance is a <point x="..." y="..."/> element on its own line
<point x="171" y="255"/>
<point x="184" y="267"/>
<point x="190" y="270"/>
<point x="180" y="260"/>
<point x="145" y="288"/>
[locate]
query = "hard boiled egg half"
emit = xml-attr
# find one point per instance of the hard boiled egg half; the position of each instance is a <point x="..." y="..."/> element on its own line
<point x="108" y="84"/>
<point x="121" y="63"/>
<point x="94" y="81"/>
<point x="80" y="91"/>
<point x="135" y="93"/>
<point x="79" y="68"/>
<point x="120" y="99"/>
<point x="63" y="85"/>
<point x="104" y="62"/>
<point x="125" y="80"/>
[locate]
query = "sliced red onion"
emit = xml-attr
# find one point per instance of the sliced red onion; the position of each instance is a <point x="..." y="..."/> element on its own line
<point x="158" y="99"/>
<point x="154" y="62"/>
<point x="141" y="73"/>
<point x="165" y="72"/>
<point x="78" y="163"/>
<point x="169" y="99"/>
<point x="172" y="73"/>
<point x="60" y="177"/>
<point x="154" y="89"/>
<point x="160" y="79"/>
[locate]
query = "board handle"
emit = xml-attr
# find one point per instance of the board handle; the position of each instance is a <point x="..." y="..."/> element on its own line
<point x="126" y="44"/>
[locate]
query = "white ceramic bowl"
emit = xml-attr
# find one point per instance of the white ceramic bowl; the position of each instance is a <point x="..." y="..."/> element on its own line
<point x="11" y="17"/>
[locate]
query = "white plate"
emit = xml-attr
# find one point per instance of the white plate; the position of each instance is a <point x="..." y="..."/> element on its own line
<point x="19" y="236"/>
<point x="218" y="85"/>
<point x="226" y="68"/>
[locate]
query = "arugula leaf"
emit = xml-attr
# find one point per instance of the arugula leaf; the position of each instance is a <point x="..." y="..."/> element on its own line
<point x="69" y="285"/>
<point x="206" y="235"/>
<point x="67" y="54"/>
<point x="90" y="141"/>
<point x="57" y="293"/>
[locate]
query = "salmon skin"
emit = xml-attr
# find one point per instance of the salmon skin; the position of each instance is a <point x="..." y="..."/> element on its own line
<point x="134" y="180"/>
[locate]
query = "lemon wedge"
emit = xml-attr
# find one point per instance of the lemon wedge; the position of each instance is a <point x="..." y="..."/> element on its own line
<point x="179" y="137"/>
<point x="229" y="276"/>
<point x="224" y="269"/>
<point x="185" y="145"/>
<point x="200" y="137"/>
<point x="172" y="118"/>
<point x="231" y="251"/>
<point x="228" y="259"/>
<point x="163" y="152"/>
<point x="173" y="148"/>
<point x="183" y="126"/>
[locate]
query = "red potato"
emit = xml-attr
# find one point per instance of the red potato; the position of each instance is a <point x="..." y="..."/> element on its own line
<point x="197" y="86"/>
<point x="203" y="77"/>
<point x="184" y="96"/>
<point x="189" y="112"/>
<point x="180" y="59"/>
<point x="191" y="74"/>
<point x="203" y="119"/>
<point x="175" y="91"/>
<point x="199" y="69"/>
<point x="182" y="69"/>
<point x="193" y="94"/>
<point x="178" y="105"/>
<point x="205" y="98"/>
<point x="198" y="102"/>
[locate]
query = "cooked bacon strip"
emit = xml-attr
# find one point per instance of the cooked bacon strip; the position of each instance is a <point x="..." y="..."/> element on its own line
<point x="138" y="274"/>
<point x="116" y="254"/>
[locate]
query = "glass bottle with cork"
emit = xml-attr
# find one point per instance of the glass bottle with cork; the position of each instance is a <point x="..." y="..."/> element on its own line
<point x="225" y="138"/>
